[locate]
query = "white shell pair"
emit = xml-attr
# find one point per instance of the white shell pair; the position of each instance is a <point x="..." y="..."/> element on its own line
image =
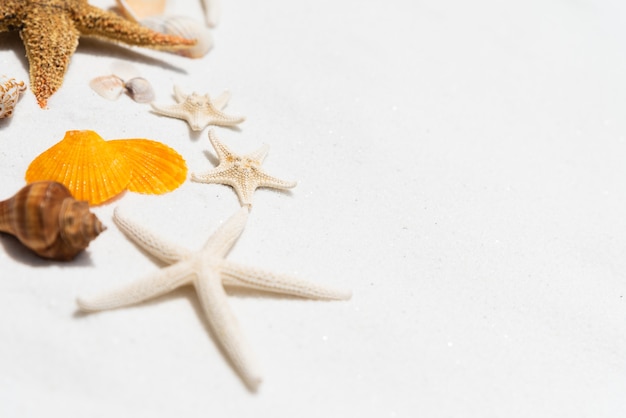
<point x="124" y="79"/>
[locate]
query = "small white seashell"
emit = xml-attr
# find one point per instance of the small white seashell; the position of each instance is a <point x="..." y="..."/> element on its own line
<point x="212" y="11"/>
<point x="185" y="27"/>
<point x="108" y="86"/>
<point x="140" y="90"/>
<point x="10" y="90"/>
<point x="139" y="9"/>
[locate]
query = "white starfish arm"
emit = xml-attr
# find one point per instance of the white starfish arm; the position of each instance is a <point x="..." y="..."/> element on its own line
<point x="158" y="283"/>
<point x="225" y="236"/>
<point x="276" y="183"/>
<point x="222" y="100"/>
<point x="173" y="111"/>
<point x="243" y="187"/>
<point x="153" y="244"/>
<point x="226" y="328"/>
<point x="222" y="119"/>
<point x="179" y="95"/>
<point x="252" y="278"/>
<point x="260" y="154"/>
<point x="212" y="11"/>
<point x="223" y="152"/>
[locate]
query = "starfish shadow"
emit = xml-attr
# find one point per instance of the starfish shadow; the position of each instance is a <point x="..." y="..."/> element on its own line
<point x="11" y="41"/>
<point x="288" y="193"/>
<point x="17" y="251"/>
<point x="213" y="159"/>
<point x="194" y="135"/>
<point x="96" y="47"/>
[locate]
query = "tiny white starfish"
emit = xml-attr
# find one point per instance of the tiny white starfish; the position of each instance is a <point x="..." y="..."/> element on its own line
<point x="208" y="271"/>
<point x="243" y="173"/>
<point x="198" y="110"/>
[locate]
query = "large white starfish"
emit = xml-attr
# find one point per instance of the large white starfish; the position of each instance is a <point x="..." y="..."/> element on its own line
<point x="243" y="173"/>
<point x="198" y="110"/>
<point x="207" y="270"/>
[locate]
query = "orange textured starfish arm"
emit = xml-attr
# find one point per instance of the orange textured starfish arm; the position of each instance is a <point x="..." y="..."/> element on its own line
<point x="92" y="21"/>
<point x="9" y="19"/>
<point x="49" y="56"/>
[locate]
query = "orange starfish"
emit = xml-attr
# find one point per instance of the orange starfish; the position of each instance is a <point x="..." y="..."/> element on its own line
<point x="50" y="30"/>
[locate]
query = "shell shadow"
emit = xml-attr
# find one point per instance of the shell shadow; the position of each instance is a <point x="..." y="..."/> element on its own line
<point x="213" y="159"/>
<point x="19" y="252"/>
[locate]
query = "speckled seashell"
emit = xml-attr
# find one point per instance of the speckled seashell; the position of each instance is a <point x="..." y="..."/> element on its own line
<point x="47" y="219"/>
<point x="156" y="168"/>
<point x="140" y="90"/>
<point x="85" y="163"/>
<point x="10" y="90"/>
<point x="108" y="86"/>
<point x="185" y="27"/>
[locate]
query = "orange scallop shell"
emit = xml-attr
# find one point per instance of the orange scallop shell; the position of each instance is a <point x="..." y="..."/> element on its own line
<point x="85" y="163"/>
<point x="96" y="170"/>
<point x="156" y="168"/>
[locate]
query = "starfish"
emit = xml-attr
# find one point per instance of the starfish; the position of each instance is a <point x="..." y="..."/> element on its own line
<point x="198" y="110"/>
<point x="208" y="271"/>
<point x="243" y="173"/>
<point x="50" y="30"/>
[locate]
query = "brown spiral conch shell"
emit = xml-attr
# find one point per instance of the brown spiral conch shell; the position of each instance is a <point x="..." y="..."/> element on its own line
<point x="47" y="219"/>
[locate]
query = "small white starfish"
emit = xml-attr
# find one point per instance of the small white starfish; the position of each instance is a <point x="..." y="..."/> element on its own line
<point x="243" y="173"/>
<point x="198" y="110"/>
<point x="207" y="270"/>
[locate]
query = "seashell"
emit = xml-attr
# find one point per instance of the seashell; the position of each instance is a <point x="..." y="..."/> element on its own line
<point x="156" y="168"/>
<point x="47" y="219"/>
<point x="212" y="12"/>
<point x="108" y="86"/>
<point x="185" y="27"/>
<point x="140" y="90"/>
<point x="85" y="164"/>
<point x="139" y="9"/>
<point x="9" y="94"/>
<point x="97" y="170"/>
<point x="111" y="86"/>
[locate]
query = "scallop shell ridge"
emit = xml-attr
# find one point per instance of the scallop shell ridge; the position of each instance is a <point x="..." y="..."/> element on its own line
<point x="156" y="168"/>
<point x="85" y="164"/>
